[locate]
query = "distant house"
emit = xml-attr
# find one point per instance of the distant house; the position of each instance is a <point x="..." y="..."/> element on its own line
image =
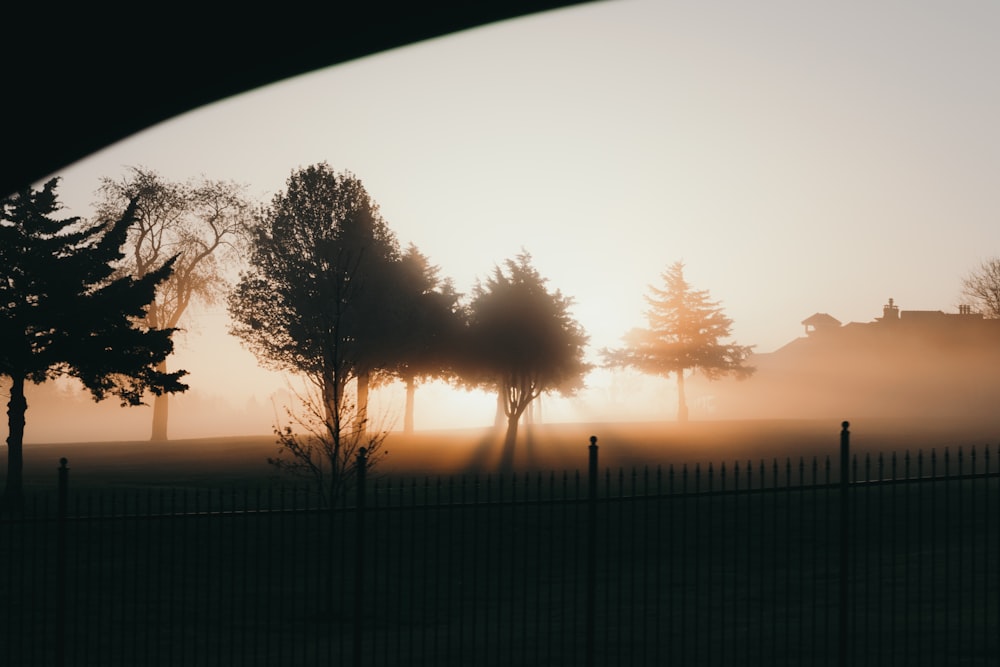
<point x="906" y="363"/>
<point x="891" y="314"/>
<point x="858" y="339"/>
<point x="820" y="322"/>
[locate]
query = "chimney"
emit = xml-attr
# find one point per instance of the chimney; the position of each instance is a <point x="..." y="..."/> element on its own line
<point x="890" y="312"/>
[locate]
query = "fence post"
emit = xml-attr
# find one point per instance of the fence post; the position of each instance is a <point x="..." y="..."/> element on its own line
<point x="845" y="449"/>
<point x="359" y="556"/>
<point x="61" y="563"/>
<point x="591" y="617"/>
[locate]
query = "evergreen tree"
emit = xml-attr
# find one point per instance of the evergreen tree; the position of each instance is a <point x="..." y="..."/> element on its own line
<point x="430" y="329"/>
<point x="62" y="312"/>
<point x="685" y="333"/>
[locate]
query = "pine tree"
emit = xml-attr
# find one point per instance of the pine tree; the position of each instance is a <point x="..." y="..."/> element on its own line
<point x="684" y="334"/>
<point x="63" y="314"/>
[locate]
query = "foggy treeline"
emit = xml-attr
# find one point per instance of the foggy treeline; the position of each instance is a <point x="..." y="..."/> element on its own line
<point x="912" y="367"/>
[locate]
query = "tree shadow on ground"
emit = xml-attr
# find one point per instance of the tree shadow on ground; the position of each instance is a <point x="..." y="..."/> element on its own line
<point x="486" y="453"/>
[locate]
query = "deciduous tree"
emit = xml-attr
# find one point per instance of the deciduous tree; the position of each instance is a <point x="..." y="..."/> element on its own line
<point x="686" y="332"/>
<point x="981" y="287"/>
<point x="63" y="312"/>
<point x="198" y="222"/>
<point x="522" y="341"/>
<point x="320" y="260"/>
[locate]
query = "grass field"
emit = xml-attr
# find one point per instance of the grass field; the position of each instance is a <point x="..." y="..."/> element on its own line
<point x="241" y="460"/>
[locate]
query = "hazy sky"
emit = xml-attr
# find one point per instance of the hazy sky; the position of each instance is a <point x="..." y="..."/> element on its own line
<point x="798" y="157"/>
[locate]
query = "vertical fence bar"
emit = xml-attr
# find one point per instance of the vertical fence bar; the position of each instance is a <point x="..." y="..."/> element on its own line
<point x="845" y="448"/>
<point x="684" y="558"/>
<point x="986" y="545"/>
<point x="61" y="564"/>
<point x="815" y="561"/>
<point x="589" y="630"/>
<point x="960" y="626"/>
<point x="866" y="545"/>
<point x="359" y="555"/>
<point x="749" y="556"/>
<point x="762" y="559"/>
<point x="908" y="539"/>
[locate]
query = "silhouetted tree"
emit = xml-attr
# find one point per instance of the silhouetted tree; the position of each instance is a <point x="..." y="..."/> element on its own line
<point x="308" y="449"/>
<point x="320" y="261"/>
<point x="522" y="341"/>
<point x="684" y="334"/>
<point x="431" y="326"/>
<point x="982" y="288"/>
<point x="199" y="222"/>
<point x="62" y="312"/>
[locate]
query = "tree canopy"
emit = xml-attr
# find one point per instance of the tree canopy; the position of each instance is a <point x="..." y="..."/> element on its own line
<point x="686" y="332"/>
<point x="199" y="223"/>
<point x="64" y="312"/>
<point x="430" y="314"/>
<point x="321" y="268"/>
<point x="522" y="340"/>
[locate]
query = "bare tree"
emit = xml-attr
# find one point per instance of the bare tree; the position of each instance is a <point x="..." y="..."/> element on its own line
<point x="981" y="287"/>
<point x="309" y="449"/>
<point x="199" y="222"/>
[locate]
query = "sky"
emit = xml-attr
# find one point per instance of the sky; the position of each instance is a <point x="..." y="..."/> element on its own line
<point x="797" y="157"/>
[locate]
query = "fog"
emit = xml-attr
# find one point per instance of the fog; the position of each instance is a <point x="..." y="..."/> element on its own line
<point x="62" y="411"/>
<point x="923" y="365"/>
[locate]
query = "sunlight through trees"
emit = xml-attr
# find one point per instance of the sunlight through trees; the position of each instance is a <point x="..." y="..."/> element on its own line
<point x="686" y="332"/>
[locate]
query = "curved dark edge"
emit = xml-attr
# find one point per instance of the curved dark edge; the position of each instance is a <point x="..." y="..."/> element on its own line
<point x="79" y="79"/>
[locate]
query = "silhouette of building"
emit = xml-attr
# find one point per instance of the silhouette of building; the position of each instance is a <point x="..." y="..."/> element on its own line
<point x="820" y="323"/>
<point x="925" y="363"/>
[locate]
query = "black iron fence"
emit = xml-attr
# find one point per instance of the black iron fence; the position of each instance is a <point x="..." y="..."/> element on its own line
<point x="753" y="563"/>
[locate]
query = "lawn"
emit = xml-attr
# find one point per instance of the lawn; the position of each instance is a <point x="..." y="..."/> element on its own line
<point x="242" y="460"/>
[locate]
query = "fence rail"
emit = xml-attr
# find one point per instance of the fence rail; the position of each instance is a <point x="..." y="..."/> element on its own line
<point x="894" y="562"/>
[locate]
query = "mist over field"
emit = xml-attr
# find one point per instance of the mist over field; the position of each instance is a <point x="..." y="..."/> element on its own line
<point x="919" y="379"/>
<point x="919" y="387"/>
<point x="242" y="460"/>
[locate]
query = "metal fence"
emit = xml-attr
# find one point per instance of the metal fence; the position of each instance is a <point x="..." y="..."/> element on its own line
<point x="753" y="563"/>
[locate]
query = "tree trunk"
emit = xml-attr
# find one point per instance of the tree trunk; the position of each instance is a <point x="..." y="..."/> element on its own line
<point x="17" y="405"/>
<point x="498" y="420"/>
<point x="161" y="407"/>
<point x="361" y="417"/>
<point x="507" y="457"/>
<point x="411" y="390"/>
<point x="682" y="407"/>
